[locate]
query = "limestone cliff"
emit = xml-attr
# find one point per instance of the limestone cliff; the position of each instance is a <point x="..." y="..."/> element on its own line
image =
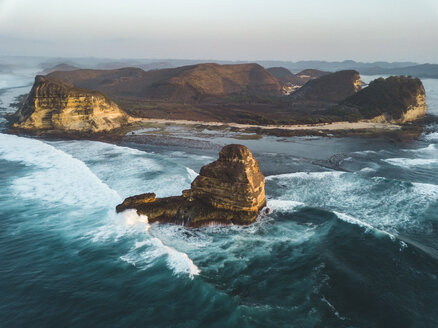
<point x="230" y="190"/>
<point x="56" y="106"/>
<point x="396" y="99"/>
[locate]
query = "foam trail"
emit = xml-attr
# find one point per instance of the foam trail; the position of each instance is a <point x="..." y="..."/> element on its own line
<point x="178" y="261"/>
<point x="306" y="175"/>
<point x="352" y="220"/>
<point x="408" y="162"/>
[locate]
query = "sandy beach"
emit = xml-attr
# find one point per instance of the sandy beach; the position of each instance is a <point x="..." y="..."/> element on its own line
<point x="312" y="127"/>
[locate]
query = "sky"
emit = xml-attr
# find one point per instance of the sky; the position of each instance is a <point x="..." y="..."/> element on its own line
<point x="365" y="30"/>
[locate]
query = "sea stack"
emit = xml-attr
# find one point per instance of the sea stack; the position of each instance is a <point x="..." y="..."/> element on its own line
<point x="53" y="106"/>
<point x="230" y="190"/>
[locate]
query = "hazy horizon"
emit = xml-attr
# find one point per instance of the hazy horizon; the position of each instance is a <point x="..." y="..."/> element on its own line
<point x="247" y="31"/>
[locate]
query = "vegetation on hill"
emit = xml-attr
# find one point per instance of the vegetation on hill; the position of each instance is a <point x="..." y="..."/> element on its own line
<point x="393" y="95"/>
<point x="332" y="87"/>
<point x="183" y="84"/>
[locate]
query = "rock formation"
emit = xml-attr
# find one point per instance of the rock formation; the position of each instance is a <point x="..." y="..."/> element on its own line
<point x="56" y="106"/>
<point x="230" y="190"/>
<point x="396" y="99"/>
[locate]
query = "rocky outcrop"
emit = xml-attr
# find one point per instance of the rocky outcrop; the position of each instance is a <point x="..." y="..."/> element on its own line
<point x="56" y="106"/>
<point x="230" y="190"/>
<point x="333" y="87"/>
<point x="396" y="99"/>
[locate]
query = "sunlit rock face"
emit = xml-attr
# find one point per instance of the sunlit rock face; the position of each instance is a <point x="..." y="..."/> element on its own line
<point x="56" y="106"/>
<point x="396" y="99"/>
<point x="232" y="182"/>
<point x="230" y="190"/>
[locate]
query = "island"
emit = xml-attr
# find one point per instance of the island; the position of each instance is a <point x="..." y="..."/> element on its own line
<point x="245" y="96"/>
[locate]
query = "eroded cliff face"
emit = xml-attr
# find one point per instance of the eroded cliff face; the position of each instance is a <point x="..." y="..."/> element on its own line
<point x="56" y="106"/>
<point x="396" y="99"/>
<point x="230" y="190"/>
<point x="412" y="113"/>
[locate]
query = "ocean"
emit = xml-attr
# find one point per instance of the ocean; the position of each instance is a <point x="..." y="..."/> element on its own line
<point x="355" y="246"/>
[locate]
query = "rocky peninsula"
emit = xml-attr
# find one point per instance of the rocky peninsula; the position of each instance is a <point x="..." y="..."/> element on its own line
<point x="230" y="190"/>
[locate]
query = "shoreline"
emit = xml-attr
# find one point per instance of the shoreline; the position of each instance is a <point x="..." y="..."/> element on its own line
<point x="335" y="126"/>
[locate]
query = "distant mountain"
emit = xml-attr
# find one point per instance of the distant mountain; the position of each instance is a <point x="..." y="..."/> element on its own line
<point x="59" y="67"/>
<point x="186" y="83"/>
<point x="422" y="71"/>
<point x="146" y="67"/>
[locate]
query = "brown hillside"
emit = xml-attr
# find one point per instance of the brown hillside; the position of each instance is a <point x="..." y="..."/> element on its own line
<point x="285" y="76"/>
<point x="311" y="74"/>
<point x="187" y="83"/>
<point x="333" y="87"/>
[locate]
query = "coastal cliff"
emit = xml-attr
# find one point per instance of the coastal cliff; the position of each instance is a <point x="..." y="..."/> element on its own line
<point x="396" y="99"/>
<point x="56" y="106"/>
<point x="230" y="190"/>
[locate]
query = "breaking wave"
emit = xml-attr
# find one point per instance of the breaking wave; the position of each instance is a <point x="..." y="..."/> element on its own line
<point x="55" y="177"/>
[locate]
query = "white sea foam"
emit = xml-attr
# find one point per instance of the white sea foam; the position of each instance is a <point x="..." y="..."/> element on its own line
<point x="389" y="205"/>
<point x="365" y="152"/>
<point x="55" y="176"/>
<point x="146" y="252"/>
<point x="431" y="136"/>
<point x="427" y="150"/>
<point x="131" y="171"/>
<point x="202" y="158"/>
<point x="409" y="162"/>
<point x="367" y="170"/>
<point x="283" y="205"/>
<point x="192" y="174"/>
<point x="353" y="220"/>
<point x="306" y="175"/>
<point x="428" y="190"/>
